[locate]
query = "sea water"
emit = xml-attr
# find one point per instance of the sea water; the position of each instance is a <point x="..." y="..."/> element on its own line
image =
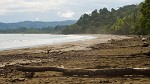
<point x="15" y="41"/>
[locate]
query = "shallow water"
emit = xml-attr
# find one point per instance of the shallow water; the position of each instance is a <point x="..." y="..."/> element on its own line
<point x="15" y="41"/>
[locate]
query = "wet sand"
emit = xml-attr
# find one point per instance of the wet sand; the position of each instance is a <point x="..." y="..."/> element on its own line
<point x="77" y="45"/>
<point x="96" y="53"/>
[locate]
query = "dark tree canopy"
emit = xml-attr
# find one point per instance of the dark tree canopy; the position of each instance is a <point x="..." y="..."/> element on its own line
<point x="145" y="17"/>
<point x="129" y="19"/>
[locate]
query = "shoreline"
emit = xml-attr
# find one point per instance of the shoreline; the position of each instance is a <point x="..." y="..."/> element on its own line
<point x="74" y="45"/>
<point x="22" y="41"/>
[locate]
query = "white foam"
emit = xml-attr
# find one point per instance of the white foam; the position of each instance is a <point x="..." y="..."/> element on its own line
<point x="15" y="41"/>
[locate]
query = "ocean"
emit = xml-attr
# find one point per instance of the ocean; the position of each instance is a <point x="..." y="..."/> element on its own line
<point x="16" y="41"/>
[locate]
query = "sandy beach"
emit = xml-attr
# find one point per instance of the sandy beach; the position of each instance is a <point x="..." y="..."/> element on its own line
<point x="104" y="51"/>
<point x="77" y="45"/>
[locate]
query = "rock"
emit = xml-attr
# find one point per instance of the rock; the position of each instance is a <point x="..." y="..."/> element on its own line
<point x="17" y="79"/>
<point x="112" y="40"/>
<point x="148" y="38"/>
<point x="62" y="66"/>
<point x="2" y="74"/>
<point x="148" y="53"/>
<point x="106" y="81"/>
<point x="47" y="82"/>
<point x="13" y="80"/>
<point x="29" y="74"/>
<point x="20" y="79"/>
<point x="145" y="44"/>
<point x="143" y="39"/>
<point x="48" y="51"/>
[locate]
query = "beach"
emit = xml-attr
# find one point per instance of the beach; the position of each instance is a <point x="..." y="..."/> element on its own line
<point x="103" y="51"/>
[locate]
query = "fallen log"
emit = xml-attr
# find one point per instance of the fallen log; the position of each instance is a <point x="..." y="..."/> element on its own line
<point x="109" y="72"/>
<point x="40" y="69"/>
<point x="89" y="72"/>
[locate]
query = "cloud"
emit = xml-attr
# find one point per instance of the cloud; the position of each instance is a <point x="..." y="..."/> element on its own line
<point x="48" y="9"/>
<point x="3" y="11"/>
<point x="37" y="19"/>
<point x="7" y="6"/>
<point x="29" y="5"/>
<point x="66" y="14"/>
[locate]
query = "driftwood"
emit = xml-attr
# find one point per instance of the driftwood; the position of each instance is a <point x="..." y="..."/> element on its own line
<point x="89" y="72"/>
<point x="40" y="69"/>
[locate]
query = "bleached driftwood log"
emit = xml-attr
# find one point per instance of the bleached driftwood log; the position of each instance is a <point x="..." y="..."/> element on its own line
<point x="89" y="72"/>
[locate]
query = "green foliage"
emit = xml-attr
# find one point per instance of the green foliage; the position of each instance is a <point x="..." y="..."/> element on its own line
<point x="145" y="17"/>
<point x="55" y="30"/>
<point x="125" y="20"/>
<point x="35" y="24"/>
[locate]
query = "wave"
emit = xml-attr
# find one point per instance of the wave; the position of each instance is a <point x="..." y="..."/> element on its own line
<point x="15" y="41"/>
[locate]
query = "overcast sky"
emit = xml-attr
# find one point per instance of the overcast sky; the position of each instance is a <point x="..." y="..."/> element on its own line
<point x="53" y="10"/>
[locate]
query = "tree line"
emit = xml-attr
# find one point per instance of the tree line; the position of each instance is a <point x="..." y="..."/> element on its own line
<point x="129" y="19"/>
<point x="52" y="30"/>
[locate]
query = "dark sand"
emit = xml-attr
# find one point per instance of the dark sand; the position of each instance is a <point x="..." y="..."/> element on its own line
<point x="93" y="54"/>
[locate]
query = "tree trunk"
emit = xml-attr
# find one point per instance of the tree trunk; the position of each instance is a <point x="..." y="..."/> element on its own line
<point x="40" y="69"/>
<point x="89" y="72"/>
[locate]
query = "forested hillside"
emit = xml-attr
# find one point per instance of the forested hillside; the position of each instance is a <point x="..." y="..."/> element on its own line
<point x="35" y="24"/>
<point x="130" y="19"/>
<point x="35" y="27"/>
<point x="25" y="30"/>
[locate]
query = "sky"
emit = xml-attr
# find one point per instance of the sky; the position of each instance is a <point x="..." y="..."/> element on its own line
<point x="54" y="10"/>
